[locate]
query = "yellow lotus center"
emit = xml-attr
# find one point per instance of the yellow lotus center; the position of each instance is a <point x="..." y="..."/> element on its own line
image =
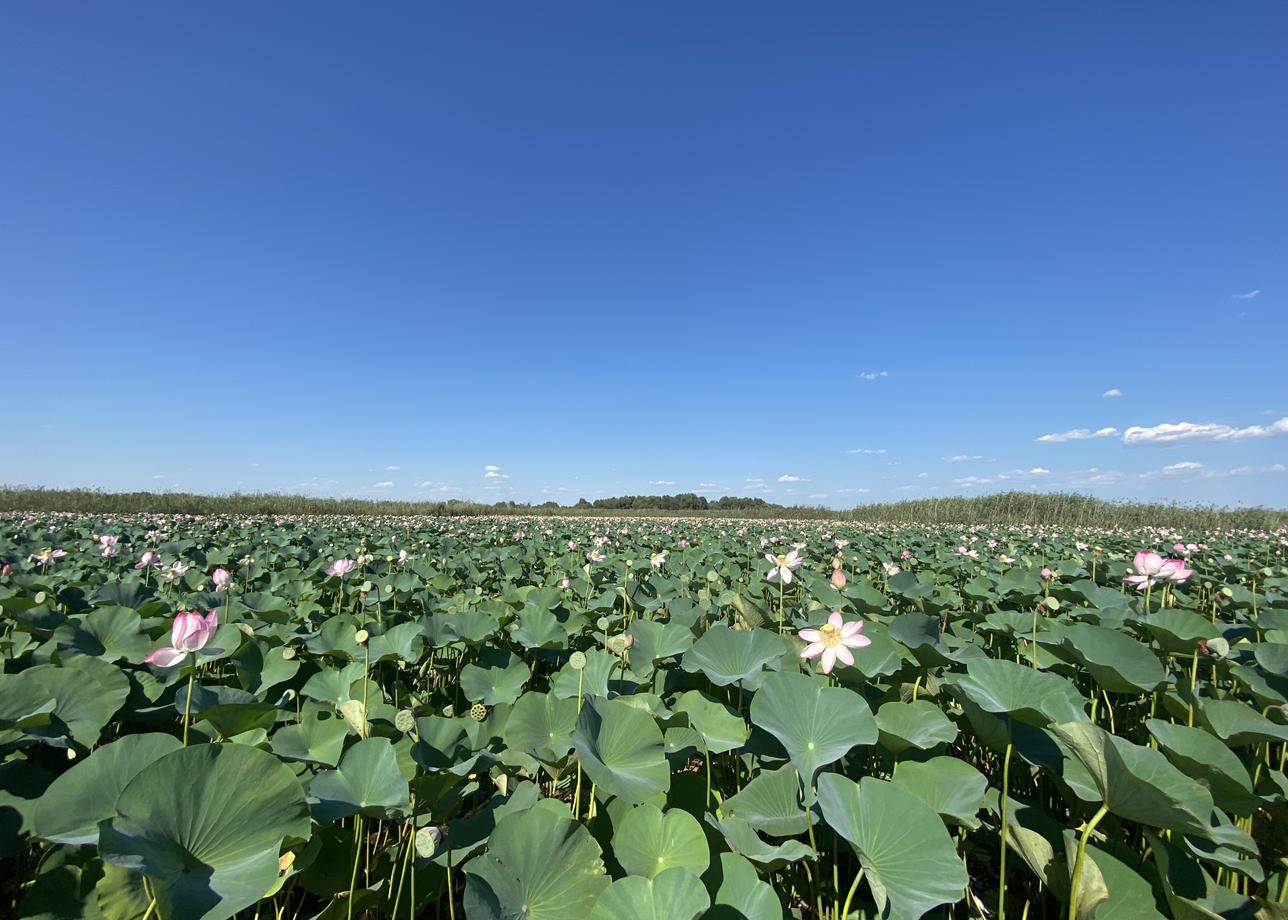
<point x="782" y="560"/>
<point x="829" y="634"/>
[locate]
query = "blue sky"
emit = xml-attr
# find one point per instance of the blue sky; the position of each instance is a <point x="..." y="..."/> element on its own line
<point x="825" y="253"/>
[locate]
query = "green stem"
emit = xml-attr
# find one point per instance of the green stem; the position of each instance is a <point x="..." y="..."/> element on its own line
<point x="1001" y="872"/>
<point x="849" y="895"/>
<point x="357" y="853"/>
<point x="1076" y="878"/>
<point x="187" y="704"/>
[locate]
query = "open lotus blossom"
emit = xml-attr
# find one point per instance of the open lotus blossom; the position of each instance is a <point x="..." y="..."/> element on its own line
<point x="107" y="545"/>
<point x="890" y="569"/>
<point x="47" y="555"/>
<point x="657" y="560"/>
<point x="1148" y="566"/>
<point x="149" y="558"/>
<point x="783" y="565"/>
<point x="190" y="634"/>
<point x="341" y="567"/>
<point x="833" y="640"/>
<point x="1174" y="570"/>
<point x="174" y="570"/>
<point x="595" y="555"/>
<point x="222" y="578"/>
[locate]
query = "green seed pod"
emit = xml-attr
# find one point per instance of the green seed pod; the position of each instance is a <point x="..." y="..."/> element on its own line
<point x="427" y="841"/>
<point x="577" y="660"/>
<point x="478" y="712"/>
<point x="405" y="720"/>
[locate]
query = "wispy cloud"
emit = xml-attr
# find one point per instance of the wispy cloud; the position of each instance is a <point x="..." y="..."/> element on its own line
<point x="1174" y="432"/>
<point x="384" y="484"/>
<point x="1251" y="295"/>
<point x="788" y="477"/>
<point x="494" y="473"/>
<point x="1112" y="394"/>
<point x="1077" y="434"/>
<point x="1008" y="476"/>
<point x="866" y="450"/>
<point x="391" y="468"/>
<point x="1184" y="466"/>
<point x="873" y="375"/>
<point x="661" y="482"/>
<point x="962" y="458"/>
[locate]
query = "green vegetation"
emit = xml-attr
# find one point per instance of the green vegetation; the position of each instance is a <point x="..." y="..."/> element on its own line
<point x="1051" y="509"/>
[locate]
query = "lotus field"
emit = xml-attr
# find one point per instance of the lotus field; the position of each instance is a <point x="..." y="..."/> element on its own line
<point x="582" y="718"/>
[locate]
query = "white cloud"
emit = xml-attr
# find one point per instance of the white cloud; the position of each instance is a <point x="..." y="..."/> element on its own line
<point x="1112" y="394"/>
<point x="1248" y="296"/>
<point x="757" y="479"/>
<point x="710" y="485"/>
<point x="1008" y="476"/>
<point x="494" y="473"/>
<point x="817" y="495"/>
<point x="1183" y="466"/>
<point x="1077" y="434"/>
<point x="873" y="375"/>
<point x="386" y="484"/>
<point x="788" y="477"/>
<point x="1172" y="432"/>
<point x="867" y="450"/>
<point x="1038" y="471"/>
<point x="391" y="468"/>
<point x="661" y="482"/>
<point x="962" y="458"/>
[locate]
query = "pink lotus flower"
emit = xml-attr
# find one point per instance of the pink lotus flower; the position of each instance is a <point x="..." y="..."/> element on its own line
<point x="1174" y="570"/>
<point x="107" y="545"/>
<point x="341" y="567"/>
<point x="657" y="560"/>
<point x="1147" y="565"/>
<point x="838" y="579"/>
<point x="1047" y="574"/>
<point x="833" y="640"/>
<point x="149" y="558"/>
<point x="783" y="565"/>
<point x="222" y="578"/>
<point x="190" y="634"/>
<point x="47" y="555"/>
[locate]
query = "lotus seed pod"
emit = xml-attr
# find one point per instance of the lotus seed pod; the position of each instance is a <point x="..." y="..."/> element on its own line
<point x="478" y="712"/>
<point x="361" y="637"/>
<point x="603" y="623"/>
<point x="288" y="652"/>
<point x="405" y="720"/>
<point x="577" y="660"/>
<point x="448" y="711"/>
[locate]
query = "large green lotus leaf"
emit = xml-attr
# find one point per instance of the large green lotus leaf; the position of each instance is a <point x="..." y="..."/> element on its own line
<point x="919" y="724"/>
<point x="86" y="693"/>
<point x="1116" y="662"/>
<point x="1007" y="688"/>
<point x="120" y="894"/>
<point x="1178" y="631"/>
<point x="403" y="641"/>
<point x="919" y="633"/>
<point x="109" y="633"/>
<point x="951" y="787"/>
<point x="675" y="894"/>
<point x="771" y="803"/>
<point x="1237" y="723"/>
<point x="621" y="749"/>
<point x="333" y="685"/>
<point x="912" y="866"/>
<point x="743" y="839"/>
<point x="539" y="628"/>
<point x="592" y="679"/>
<point x="654" y="641"/>
<point x="815" y="723"/>
<point x="542" y="725"/>
<point x="1138" y="783"/>
<point x="1193" y="895"/>
<point x="367" y="782"/>
<point x="71" y="808"/>
<point x="22" y="783"/>
<point x="880" y="658"/>
<point x="206" y="825"/>
<point x="498" y="677"/>
<point x="740" y="893"/>
<point x="318" y="737"/>
<point x="260" y="667"/>
<point x="1199" y="755"/>
<point x="720" y="728"/>
<point x="727" y="655"/>
<point x="648" y="841"/>
<point x="446" y="744"/>
<point x="540" y="864"/>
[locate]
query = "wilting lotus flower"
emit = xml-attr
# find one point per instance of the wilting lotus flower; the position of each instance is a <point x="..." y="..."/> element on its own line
<point x="1148" y="566"/>
<point x="222" y="578"/>
<point x="341" y="567"/>
<point x="833" y="640"/>
<point x="657" y="560"/>
<point x="838" y="579"/>
<point x="783" y="565"/>
<point x="1174" y="570"/>
<point x="595" y="555"/>
<point x="174" y="570"/>
<point x="890" y="569"/>
<point x="190" y="633"/>
<point x="149" y="558"/>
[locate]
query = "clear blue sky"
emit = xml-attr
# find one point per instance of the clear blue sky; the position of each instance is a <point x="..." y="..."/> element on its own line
<point x="612" y="248"/>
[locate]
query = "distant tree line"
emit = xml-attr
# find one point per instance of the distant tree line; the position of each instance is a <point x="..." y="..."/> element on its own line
<point x="685" y="501"/>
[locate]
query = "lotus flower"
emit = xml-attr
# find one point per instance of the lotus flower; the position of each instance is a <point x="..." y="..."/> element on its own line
<point x="222" y="578"/>
<point x="890" y="569"/>
<point x="657" y="560"/>
<point x="190" y="633"/>
<point x="783" y="565"/>
<point x="47" y="555"/>
<point x="833" y="640"/>
<point x="149" y="558"/>
<point x="107" y="545"/>
<point x="1174" y="570"/>
<point x="1148" y="565"/>
<point x="341" y="567"/>
<point x="838" y="579"/>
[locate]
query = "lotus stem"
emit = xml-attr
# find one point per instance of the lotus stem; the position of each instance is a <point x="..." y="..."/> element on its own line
<point x="849" y="895"/>
<point x="357" y="855"/>
<point x="187" y="705"/>
<point x="1006" y="786"/>
<point x="1076" y="879"/>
